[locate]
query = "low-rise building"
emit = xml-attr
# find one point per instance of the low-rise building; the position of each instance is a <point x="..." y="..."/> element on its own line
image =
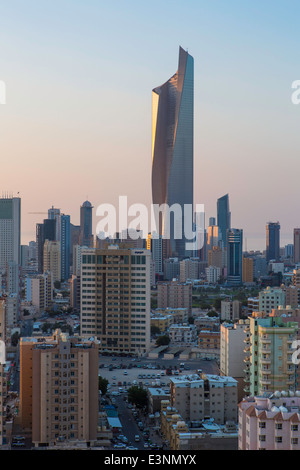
<point x="203" y="396"/>
<point x="270" y="423"/>
<point x="183" y="333"/>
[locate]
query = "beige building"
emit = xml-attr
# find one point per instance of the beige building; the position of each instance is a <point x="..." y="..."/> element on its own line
<point x="205" y="437"/>
<point x="217" y="257"/>
<point x="198" y="397"/>
<point x="115" y="298"/>
<point x="59" y="388"/>
<point x="174" y="294"/>
<point x="183" y="334"/>
<point x="292" y="296"/>
<point x="189" y="269"/>
<point x="270" y="298"/>
<point x="209" y="341"/>
<point x="231" y="310"/>
<point x="247" y="269"/>
<point x="232" y="344"/>
<point x="179" y="315"/>
<point x="52" y="259"/>
<point x="296" y="278"/>
<point x="163" y="322"/>
<point x="41" y="291"/>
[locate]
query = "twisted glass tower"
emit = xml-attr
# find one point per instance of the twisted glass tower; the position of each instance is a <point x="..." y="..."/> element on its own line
<point x="173" y="155"/>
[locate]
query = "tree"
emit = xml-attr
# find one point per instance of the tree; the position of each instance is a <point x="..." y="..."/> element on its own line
<point x="102" y="385"/>
<point x="15" y="339"/>
<point x="163" y="340"/>
<point x="155" y="330"/>
<point x="137" y="396"/>
<point x="212" y="313"/>
<point x="217" y="303"/>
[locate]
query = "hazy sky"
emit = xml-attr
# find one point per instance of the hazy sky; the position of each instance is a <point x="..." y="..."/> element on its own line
<point x="77" y="123"/>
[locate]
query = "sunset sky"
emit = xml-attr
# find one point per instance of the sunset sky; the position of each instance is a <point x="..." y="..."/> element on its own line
<point x="77" y="121"/>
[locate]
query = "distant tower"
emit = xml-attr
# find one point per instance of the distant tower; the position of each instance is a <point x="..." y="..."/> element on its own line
<point x="296" y="245"/>
<point x="65" y="246"/>
<point x="223" y="217"/>
<point x="86" y="224"/>
<point x="235" y="256"/>
<point x="10" y="230"/>
<point x="54" y="213"/>
<point x="273" y="241"/>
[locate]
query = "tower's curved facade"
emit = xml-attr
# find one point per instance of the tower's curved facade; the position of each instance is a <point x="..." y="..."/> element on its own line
<point x="172" y="148"/>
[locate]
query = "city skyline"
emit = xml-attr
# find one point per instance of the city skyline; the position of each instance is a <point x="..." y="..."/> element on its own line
<point x="246" y="126"/>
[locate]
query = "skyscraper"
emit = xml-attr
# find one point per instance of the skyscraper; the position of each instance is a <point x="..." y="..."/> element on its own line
<point x="235" y="256"/>
<point x="86" y="224"/>
<point x="54" y="214"/>
<point x="44" y="231"/>
<point x="10" y="230"/>
<point x="223" y="217"/>
<point x="172" y="152"/>
<point x="296" y="245"/>
<point x="65" y="246"/>
<point x="273" y="241"/>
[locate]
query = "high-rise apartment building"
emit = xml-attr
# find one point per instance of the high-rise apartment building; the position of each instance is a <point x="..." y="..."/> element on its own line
<point x="10" y="230"/>
<point x="232" y="344"/>
<point x="39" y="291"/>
<point x="52" y="259"/>
<point x="172" y="153"/>
<point x="268" y="359"/>
<point x="175" y="294"/>
<point x="59" y="388"/>
<point x="273" y="241"/>
<point x="155" y="245"/>
<point x="115" y="298"/>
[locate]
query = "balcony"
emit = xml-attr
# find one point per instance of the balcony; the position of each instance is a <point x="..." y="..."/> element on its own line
<point x="265" y="340"/>
<point x="265" y="381"/>
<point x="265" y="360"/>
<point x="247" y="359"/>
